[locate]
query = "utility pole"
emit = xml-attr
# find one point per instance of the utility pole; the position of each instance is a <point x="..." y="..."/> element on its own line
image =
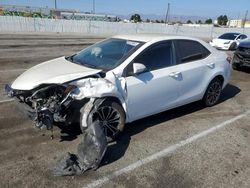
<point x="55" y="5"/>
<point x="93" y="6"/>
<point x="167" y="14"/>
<point x="245" y="19"/>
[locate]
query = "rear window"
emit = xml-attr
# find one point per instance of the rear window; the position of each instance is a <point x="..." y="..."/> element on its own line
<point x="188" y="50"/>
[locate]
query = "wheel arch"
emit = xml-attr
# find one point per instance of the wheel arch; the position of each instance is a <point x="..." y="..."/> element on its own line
<point x="116" y="99"/>
<point x="216" y="76"/>
<point x="220" y="77"/>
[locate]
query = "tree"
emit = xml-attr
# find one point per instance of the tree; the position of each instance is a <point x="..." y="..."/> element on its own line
<point x="147" y="20"/>
<point x="135" y="18"/>
<point x="222" y="20"/>
<point x="209" y="21"/>
<point x="189" y="22"/>
<point x="199" y="22"/>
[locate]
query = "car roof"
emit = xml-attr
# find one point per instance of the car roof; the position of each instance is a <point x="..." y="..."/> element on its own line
<point x="152" y="37"/>
<point x="233" y="33"/>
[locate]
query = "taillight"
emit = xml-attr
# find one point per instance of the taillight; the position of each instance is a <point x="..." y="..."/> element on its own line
<point x="229" y="60"/>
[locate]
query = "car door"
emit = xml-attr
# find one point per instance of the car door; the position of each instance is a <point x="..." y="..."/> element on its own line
<point x="157" y="88"/>
<point x="193" y="67"/>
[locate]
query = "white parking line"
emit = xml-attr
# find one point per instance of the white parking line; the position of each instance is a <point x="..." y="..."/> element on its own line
<point x="12" y="70"/>
<point x="163" y="153"/>
<point x="8" y="100"/>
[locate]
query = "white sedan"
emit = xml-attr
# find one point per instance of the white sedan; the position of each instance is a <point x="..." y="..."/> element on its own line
<point x="122" y="79"/>
<point x="228" y="41"/>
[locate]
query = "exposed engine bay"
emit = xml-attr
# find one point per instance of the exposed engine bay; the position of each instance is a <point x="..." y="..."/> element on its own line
<point x="45" y="104"/>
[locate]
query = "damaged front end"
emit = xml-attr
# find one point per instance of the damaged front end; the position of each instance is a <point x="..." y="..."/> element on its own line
<point x="45" y="104"/>
<point x="62" y="103"/>
<point x="71" y="102"/>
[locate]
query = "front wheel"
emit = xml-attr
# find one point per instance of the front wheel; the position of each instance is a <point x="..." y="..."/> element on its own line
<point x="233" y="46"/>
<point x="213" y="92"/>
<point x="110" y="114"/>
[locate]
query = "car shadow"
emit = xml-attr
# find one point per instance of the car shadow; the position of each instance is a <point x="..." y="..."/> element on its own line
<point x="69" y="132"/>
<point x="117" y="150"/>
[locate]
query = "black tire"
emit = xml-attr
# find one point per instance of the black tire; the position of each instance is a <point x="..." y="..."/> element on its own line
<point x="110" y="115"/>
<point x="233" y="46"/>
<point x="213" y="92"/>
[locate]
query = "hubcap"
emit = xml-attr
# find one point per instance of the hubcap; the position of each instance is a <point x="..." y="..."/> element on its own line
<point x="109" y="119"/>
<point x="213" y="93"/>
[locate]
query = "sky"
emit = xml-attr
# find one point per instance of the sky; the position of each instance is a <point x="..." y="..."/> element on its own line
<point x="206" y="8"/>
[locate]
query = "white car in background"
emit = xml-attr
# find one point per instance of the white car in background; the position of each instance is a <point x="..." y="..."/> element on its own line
<point x="122" y="79"/>
<point x="228" y="41"/>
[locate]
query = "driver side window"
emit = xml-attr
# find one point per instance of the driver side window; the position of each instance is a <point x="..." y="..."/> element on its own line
<point x="158" y="56"/>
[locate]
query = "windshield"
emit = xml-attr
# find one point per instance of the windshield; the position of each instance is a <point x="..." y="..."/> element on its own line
<point x="105" y="55"/>
<point x="229" y="36"/>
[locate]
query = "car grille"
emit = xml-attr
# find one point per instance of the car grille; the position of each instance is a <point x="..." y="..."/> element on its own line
<point x="245" y="50"/>
<point x="243" y="58"/>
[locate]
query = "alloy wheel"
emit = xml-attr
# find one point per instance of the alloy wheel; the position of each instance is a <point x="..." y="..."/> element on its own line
<point x="109" y="119"/>
<point x="213" y="93"/>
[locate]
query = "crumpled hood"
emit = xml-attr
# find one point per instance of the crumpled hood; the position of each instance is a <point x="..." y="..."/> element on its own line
<point x="56" y="71"/>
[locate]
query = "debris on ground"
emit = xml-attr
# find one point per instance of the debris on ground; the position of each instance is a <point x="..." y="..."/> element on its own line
<point x="89" y="153"/>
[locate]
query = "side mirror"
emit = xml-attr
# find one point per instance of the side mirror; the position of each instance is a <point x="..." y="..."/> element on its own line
<point x="139" y="68"/>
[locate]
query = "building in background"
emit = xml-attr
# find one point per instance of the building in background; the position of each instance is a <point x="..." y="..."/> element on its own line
<point x="69" y="14"/>
<point x="1" y="11"/>
<point x="239" y="23"/>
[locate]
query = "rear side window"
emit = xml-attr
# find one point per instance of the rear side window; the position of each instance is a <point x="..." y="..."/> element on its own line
<point x="158" y="56"/>
<point x="188" y="50"/>
<point x="243" y="37"/>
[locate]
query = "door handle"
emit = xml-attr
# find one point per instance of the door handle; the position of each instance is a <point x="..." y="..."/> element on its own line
<point x="211" y="65"/>
<point x="174" y="74"/>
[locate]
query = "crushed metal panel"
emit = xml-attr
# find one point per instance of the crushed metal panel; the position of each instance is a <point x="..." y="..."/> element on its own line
<point x="89" y="153"/>
<point x="109" y="86"/>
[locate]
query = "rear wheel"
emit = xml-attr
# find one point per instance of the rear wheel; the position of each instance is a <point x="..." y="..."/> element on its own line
<point x="213" y="92"/>
<point x="111" y="116"/>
